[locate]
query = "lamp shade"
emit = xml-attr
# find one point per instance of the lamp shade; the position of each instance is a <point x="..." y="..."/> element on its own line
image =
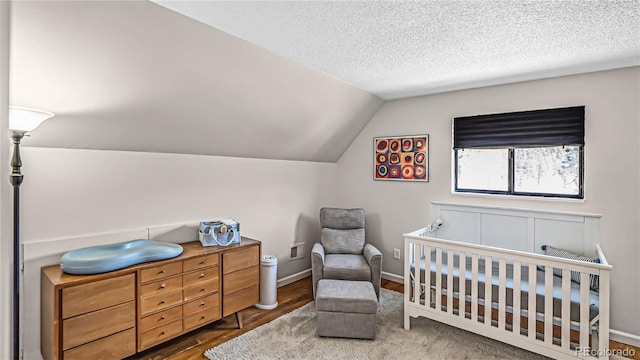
<point x="25" y="119"/>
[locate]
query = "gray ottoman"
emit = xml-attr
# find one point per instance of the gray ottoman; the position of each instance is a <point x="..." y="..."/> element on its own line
<point x="346" y="309"/>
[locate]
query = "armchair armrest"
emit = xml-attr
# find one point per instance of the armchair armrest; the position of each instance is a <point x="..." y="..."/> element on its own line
<point x="317" y="264"/>
<point x="371" y="253"/>
<point x="374" y="258"/>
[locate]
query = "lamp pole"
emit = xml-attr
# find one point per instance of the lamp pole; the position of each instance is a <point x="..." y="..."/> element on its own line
<point x="21" y="120"/>
<point x="16" y="181"/>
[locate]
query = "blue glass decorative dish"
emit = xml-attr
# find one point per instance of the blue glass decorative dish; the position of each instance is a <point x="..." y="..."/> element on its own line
<point x="105" y="258"/>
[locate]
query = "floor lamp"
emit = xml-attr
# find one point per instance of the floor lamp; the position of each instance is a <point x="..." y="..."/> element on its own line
<point x="21" y="121"/>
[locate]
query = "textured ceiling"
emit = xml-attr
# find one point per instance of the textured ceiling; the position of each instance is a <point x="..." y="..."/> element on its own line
<point x="132" y="75"/>
<point x="407" y="48"/>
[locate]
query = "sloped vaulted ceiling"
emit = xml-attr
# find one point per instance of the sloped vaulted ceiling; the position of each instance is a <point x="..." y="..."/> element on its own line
<point x="284" y="79"/>
<point x="136" y="76"/>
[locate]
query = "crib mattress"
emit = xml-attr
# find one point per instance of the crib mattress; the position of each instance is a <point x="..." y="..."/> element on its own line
<point x="524" y="286"/>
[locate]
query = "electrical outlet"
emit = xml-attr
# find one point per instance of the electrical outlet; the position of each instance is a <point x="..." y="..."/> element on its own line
<point x="396" y="254"/>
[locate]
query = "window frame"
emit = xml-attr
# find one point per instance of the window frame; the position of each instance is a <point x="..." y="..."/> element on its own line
<point x="511" y="181"/>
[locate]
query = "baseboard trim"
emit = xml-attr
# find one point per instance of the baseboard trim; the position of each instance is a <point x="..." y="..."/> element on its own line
<point x="392" y="277"/>
<point x="625" y="338"/>
<point x="295" y="277"/>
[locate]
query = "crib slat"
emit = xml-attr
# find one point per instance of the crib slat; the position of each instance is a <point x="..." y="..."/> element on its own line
<point x="548" y="304"/>
<point x="531" y="295"/>
<point x="516" y="296"/>
<point x="487" y="291"/>
<point x="584" y="310"/>
<point x="566" y="308"/>
<point x="450" y="281"/>
<point x="474" y="287"/>
<point x="427" y="276"/>
<point x="462" y="283"/>
<point x="502" y="294"/>
<point x="438" y="279"/>
<point x="416" y="273"/>
<point x="603" y="322"/>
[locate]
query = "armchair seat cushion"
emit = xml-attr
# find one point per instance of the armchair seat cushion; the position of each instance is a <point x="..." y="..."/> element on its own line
<point x="346" y="267"/>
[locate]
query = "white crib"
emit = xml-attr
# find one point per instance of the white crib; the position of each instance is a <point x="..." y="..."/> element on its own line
<point x="501" y="285"/>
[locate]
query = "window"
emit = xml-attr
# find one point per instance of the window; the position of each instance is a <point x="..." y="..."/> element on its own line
<point x="531" y="153"/>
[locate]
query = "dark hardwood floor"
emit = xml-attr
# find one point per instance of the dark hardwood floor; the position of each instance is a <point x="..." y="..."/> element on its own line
<point x="192" y="345"/>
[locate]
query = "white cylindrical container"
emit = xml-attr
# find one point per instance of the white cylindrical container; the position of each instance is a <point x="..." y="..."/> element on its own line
<point x="269" y="286"/>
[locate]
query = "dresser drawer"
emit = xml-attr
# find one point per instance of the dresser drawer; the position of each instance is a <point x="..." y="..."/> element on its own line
<point x="97" y="295"/>
<point x="159" y="319"/>
<point x="200" y="276"/>
<point x="209" y="303"/>
<point x="240" y="259"/>
<point x="160" y="271"/>
<point x="95" y="325"/>
<point x="241" y="279"/>
<point x="162" y="333"/>
<point x="200" y="262"/>
<point x="159" y="302"/>
<point x="200" y="318"/>
<point x="116" y="346"/>
<point x="200" y="289"/>
<point x="161" y="287"/>
<point x="239" y="300"/>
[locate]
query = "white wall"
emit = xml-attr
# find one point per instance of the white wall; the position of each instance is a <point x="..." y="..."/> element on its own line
<point x="612" y="158"/>
<point x="75" y="194"/>
<point x="6" y="218"/>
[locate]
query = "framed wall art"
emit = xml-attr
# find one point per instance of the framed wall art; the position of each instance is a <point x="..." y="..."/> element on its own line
<point x="401" y="158"/>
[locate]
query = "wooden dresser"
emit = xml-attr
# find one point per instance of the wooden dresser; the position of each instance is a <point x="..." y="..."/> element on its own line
<point x="116" y="314"/>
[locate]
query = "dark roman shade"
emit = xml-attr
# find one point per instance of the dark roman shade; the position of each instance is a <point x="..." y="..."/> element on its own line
<point x="550" y="127"/>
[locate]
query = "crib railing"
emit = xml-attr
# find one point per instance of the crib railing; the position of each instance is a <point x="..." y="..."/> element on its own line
<point x="535" y="327"/>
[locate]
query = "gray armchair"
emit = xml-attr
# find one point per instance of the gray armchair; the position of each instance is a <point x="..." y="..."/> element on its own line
<point x="342" y="253"/>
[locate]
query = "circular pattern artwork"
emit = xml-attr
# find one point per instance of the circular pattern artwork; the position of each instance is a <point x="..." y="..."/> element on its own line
<point x="382" y="145"/>
<point x="394" y="145"/>
<point x="407" y="145"/>
<point x="401" y="158"/>
<point x="394" y="172"/>
<point x="407" y="172"/>
<point x="383" y="170"/>
<point x="407" y="158"/>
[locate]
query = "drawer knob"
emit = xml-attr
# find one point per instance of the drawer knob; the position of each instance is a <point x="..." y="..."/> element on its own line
<point x="161" y="272"/>
<point x="202" y="303"/>
<point x="201" y="290"/>
<point x="202" y="275"/>
<point x="161" y="302"/>
<point x="202" y="262"/>
<point x="202" y="317"/>
<point x="162" y="317"/>
<point x="163" y="286"/>
<point x="162" y="333"/>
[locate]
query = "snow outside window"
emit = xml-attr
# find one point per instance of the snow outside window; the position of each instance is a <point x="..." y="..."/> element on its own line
<point x="551" y="171"/>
